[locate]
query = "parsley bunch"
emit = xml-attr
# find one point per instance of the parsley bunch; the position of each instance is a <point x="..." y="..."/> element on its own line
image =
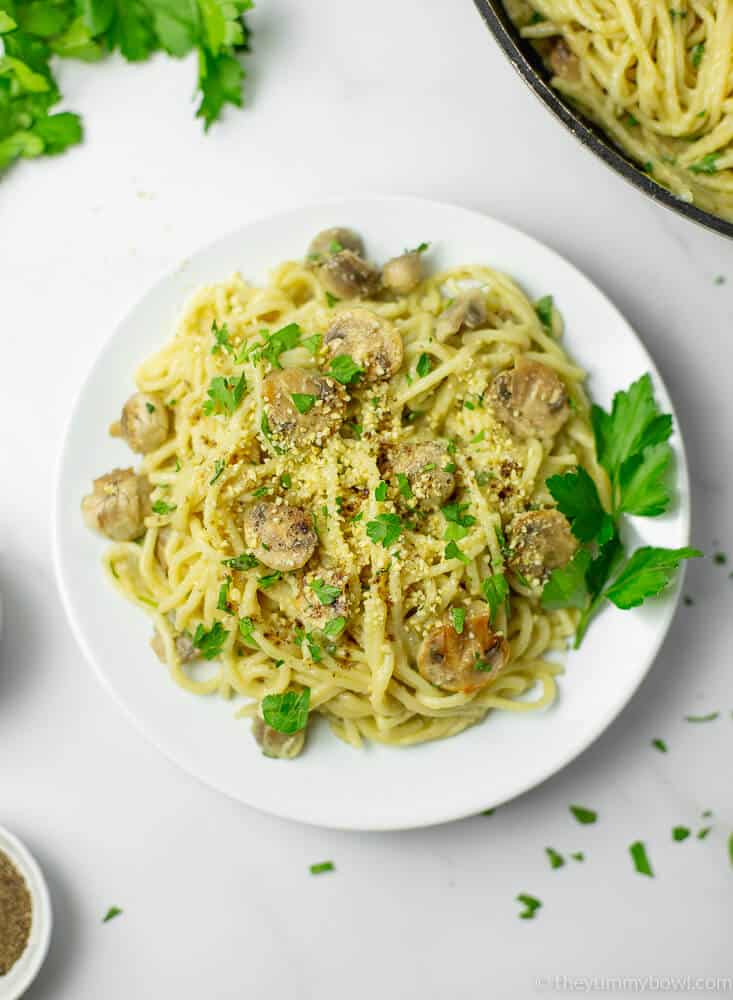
<point x="632" y="446"/>
<point x="33" y="32"/>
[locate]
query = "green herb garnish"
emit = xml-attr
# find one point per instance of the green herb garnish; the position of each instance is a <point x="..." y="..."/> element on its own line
<point x="543" y="307"/>
<point x="225" y="394"/>
<point x="640" y="859"/>
<point x="321" y="867"/>
<point x="246" y="627"/>
<point x="267" y="581"/>
<point x="303" y="401"/>
<point x="331" y="300"/>
<point x="219" y="466"/>
<point x="710" y="717"/>
<point x="707" y="165"/>
<point x="287" y="712"/>
<point x="531" y="905"/>
<point x="221" y="338"/>
<point x="403" y="485"/>
<point x="584" y="815"/>
<point x="380" y="493"/>
<point x="660" y="745"/>
<point x="680" y="833"/>
<point x="458" y="618"/>
<point x="344" y="369"/>
<point x="163" y="508"/>
<point x="496" y="591"/>
<point x="113" y="911"/>
<point x="696" y="54"/>
<point x="424" y="365"/>
<point x="243" y="562"/>
<point x="556" y="860"/>
<point x="385" y="530"/>
<point x="210" y="643"/>
<point x="222" y="603"/>
<point x="325" y="592"/>
<point x="334" y="628"/>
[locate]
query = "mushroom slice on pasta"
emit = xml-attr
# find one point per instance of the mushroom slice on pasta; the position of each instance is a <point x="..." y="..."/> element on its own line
<point x="369" y="339"/>
<point x="540" y="541"/>
<point x="530" y="399"/>
<point x="118" y="505"/>
<point x="281" y="536"/>
<point x="302" y="407"/>
<point x="465" y="661"/>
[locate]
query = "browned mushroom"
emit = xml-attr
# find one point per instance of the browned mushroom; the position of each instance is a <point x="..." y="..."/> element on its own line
<point x="370" y="340"/>
<point x="144" y="423"/>
<point x="324" y="598"/>
<point x="118" y="505"/>
<point x="348" y="276"/>
<point x="332" y="241"/>
<point x="424" y="464"/>
<point x="280" y="536"/>
<point x="402" y="275"/>
<point x="530" y="399"/>
<point x="467" y="311"/>
<point x="302" y="407"/>
<point x="564" y="62"/>
<point x="465" y="661"/>
<point x="283" y="746"/>
<point x="184" y="647"/>
<point x="540" y="541"/>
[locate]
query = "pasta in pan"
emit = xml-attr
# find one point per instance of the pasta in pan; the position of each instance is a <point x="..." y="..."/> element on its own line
<point x="341" y="507"/>
<point x="656" y="76"/>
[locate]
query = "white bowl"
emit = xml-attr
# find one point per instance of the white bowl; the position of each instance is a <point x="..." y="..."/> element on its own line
<point x="331" y="784"/>
<point x="14" y="983"/>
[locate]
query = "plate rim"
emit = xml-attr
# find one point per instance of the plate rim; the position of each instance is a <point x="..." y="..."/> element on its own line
<point x="424" y="818"/>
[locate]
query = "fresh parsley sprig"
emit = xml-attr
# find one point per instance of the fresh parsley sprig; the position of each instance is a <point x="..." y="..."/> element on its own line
<point x="632" y="446"/>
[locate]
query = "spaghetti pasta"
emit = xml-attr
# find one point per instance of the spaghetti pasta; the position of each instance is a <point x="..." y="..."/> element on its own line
<point x="389" y="569"/>
<point x="657" y="76"/>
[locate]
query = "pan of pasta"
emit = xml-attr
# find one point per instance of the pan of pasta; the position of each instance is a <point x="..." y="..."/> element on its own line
<point x="647" y="86"/>
<point x="361" y="501"/>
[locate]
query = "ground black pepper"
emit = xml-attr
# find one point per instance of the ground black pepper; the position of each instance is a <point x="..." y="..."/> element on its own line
<point x="16" y="914"/>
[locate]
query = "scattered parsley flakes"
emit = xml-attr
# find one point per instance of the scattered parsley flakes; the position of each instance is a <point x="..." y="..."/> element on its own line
<point x="163" y="508"/>
<point x="321" y="867"/>
<point x="730" y="849"/>
<point x="150" y="408"/>
<point x="488" y="812"/>
<point x="660" y="745"/>
<point x="335" y="247"/>
<point x="221" y="337"/>
<point x="325" y="593"/>
<point x="286" y="480"/>
<point x="707" y="165"/>
<point x="531" y="904"/>
<point x="284" y="339"/>
<point x="424" y="365"/>
<point x="331" y="300"/>
<point x="219" y="466"/>
<point x="698" y="51"/>
<point x="380" y="493"/>
<point x="225" y="394"/>
<point x="210" y="643"/>
<point x="458" y="618"/>
<point x="637" y="850"/>
<point x="313" y="343"/>
<point x="403" y="484"/>
<point x="385" y="530"/>
<point x="577" y="856"/>
<point x="334" y="628"/>
<point x="452" y="551"/>
<point x="267" y="581"/>
<point x="419" y="249"/>
<point x="344" y="369"/>
<point x="720" y="558"/>
<point x="495" y="589"/>
<point x="303" y="401"/>
<point x="556" y="860"/>
<point x="287" y="712"/>
<point x="243" y="562"/>
<point x="584" y="815"/>
<point x="222" y="603"/>
<point x="543" y="307"/>
<point x="702" y="834"/>
<point x="112" y="912"/>
<point x="710" y="717"/>
<point x="680" y="833"/>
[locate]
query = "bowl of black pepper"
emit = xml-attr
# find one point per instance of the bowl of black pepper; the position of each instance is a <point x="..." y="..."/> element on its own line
<point x="25" y="917"/>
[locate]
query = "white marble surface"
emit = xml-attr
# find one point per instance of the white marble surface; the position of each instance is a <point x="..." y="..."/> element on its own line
<point x="408" y="97"/>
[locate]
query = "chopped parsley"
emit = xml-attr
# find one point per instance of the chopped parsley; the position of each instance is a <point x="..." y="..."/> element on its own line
<point x="450" y="468"/>
<point x="419" y="249"/>
<point x="163" y="508"/>
<point x="403" y="484"/>
<point x="331" y="300"/>
<point x="344" y="369"/>
<point x="150" y="408"/>
<point x="720" y="558"/>
<point x="577" y="856"/>
<point x="458" y="618"/>
<point x="312" y="343"/>
<point x="452" y="551"/>
<point x="710" y="717"/>
<point x="637" y="850"/>
<point x="284" y="339"/>
<point x="287" y="712"/>
<point x="660" y="745"/>
<point x="468" y="405"/>
<point x="223" y="602"/>
<point x="225" y="394"/>
<point x="584" y="815"/>
<point x="221" y="337"/>
<point x="219" y="466"/>
<point x="246" y="626"/>
<point x="680" y="833"/>
<point x="261" y="491"/>
<point x="286" y="480"/>
<point x="697" y="53"/>
<point x="112" y="912"/>
<point x="496" y="591"/>
<point x="303" y="401"/>
<point x="556" y="860"/>
<point x="631" y="120"/>
<point x="334" y="628"/>
<point x="543" y="307"/>
<point x="321" y="867"/>
<point x="243" y="562"/>
<point x="325" y="592"/>
<point x="424" y="365"/>
<point x="210" y="643"/>
<point x="267" y="581"/>
<point x="335" y="247"/>
<point x="531" y="905"/>
<point x="707" y="165"/>
<point x="380" y="493"/>
<point x="385" y="530"/>
<point x="702" y="834"/>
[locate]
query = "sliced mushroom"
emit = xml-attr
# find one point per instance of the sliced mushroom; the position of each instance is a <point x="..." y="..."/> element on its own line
<point x="280" y="536"/>
<point x="332" y="241"/>
<point x="424" y="464"/>
<point x="540" y="541"/>
<point x="564" y="62"/>
<point x="283" y="746"/>
<point x="324" y="598"/>
<point x="348" y="276"/>
<point x="118" y="505"/>
<point x="402" y="275"/>
<point x="183" y="643"/>
<point x="467" y="311"/>
<point x="530" y="399"/>
<point x="464" y="661"/>
<point x="372" y="342"/>
<point x="144" y="423"/>
<point x="316" y="411"/>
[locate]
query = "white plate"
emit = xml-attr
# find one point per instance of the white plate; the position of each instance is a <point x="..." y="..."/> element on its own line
<point x="332" y="784"/>
<point x="15" y="982"/>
